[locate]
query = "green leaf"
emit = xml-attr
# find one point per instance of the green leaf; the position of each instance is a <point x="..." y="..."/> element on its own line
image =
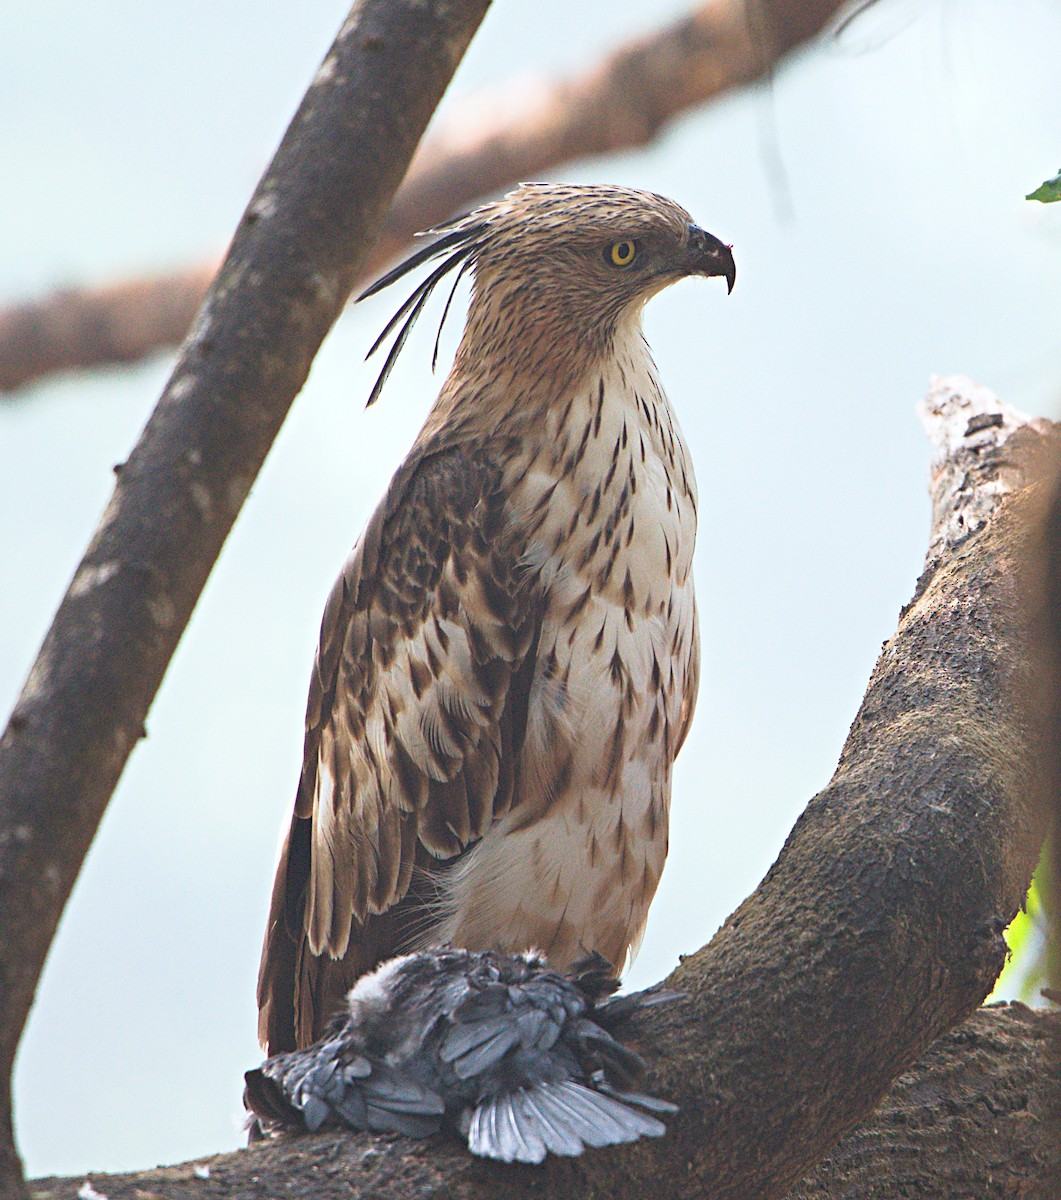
<point x="1048" y="192"/>
<point x="1032" y="962"/>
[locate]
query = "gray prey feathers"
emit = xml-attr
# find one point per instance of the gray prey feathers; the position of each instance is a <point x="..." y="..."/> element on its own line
<point x="519" y="1059"/>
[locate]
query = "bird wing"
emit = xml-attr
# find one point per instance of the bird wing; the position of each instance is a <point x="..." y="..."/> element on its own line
<point x="692" y="686"/>
<point x="416" y="710"/>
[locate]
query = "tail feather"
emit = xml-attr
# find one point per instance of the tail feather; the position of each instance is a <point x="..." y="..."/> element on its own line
<point x="562" y="1118"/>
<point x="641" y="1099"/>
<point x="593" y="1119"/>
<point x="517" y="1144"/>
<point x="557" y="1134"/>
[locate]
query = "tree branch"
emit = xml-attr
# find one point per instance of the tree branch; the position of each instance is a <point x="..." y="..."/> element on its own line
<point x="972" y="1118"/>
<point x="976" y="1117"/>
<point x="95" y="327"/>
<point x="293" y="261"/>
<point x="494" y="140"/>
<point x="877" y="929"/>
<point x="880" y="925"/>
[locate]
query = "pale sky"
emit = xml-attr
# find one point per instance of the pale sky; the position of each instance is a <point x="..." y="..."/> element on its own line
<point x="893" y="243"/>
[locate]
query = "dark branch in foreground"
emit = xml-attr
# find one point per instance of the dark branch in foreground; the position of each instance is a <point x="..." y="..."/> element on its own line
<point x="495" y="140"/>
<point x="293" y="261"/>
<point x="877" y="930"/>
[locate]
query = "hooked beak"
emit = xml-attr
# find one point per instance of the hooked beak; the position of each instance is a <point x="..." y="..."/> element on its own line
<point x="709" y="256"/>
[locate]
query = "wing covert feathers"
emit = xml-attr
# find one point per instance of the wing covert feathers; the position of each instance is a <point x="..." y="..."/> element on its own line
<point x="412" y="720"/>
<point x="520" y="1060"/>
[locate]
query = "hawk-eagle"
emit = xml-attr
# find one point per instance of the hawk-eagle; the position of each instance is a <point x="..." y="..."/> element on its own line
<point x="508" y="662"/>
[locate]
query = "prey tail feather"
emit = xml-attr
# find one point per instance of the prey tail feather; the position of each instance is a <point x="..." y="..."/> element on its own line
<point x="562" y="1118"/>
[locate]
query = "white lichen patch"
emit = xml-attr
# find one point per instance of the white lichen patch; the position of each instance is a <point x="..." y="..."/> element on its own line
<point x="200" y="328"/>
<point x="237" y="490"/>
<point x="325" y="72"/>
<point x="960" y="415"/>
<point x="203" y="501"/>
<point x="263" y="206"/>
<point x="38" y="683"/>
<point x="91" y="576"/>
<point x="180" y="388"/>
<point x="163" y="612"/>
<point x="325" y="287"/>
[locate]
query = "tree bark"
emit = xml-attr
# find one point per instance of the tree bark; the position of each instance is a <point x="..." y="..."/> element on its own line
<point x="293" y="261"/>
<point x="971" y="1119"/>
<point x="976" y="1117"/>
<point x="878" y="929"/>
<point x="494" y="140"/>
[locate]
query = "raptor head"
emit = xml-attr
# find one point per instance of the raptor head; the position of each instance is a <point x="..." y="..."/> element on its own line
<point x="549" y="257"/>
<point x="613" y="245"/>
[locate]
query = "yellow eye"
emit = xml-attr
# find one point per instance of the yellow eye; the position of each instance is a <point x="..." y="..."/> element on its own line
<point x="622" y="254"/>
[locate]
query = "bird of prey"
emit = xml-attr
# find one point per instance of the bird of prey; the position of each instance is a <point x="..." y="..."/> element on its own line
<point x="517" y="1058"/>
<point x="508" y="662"/>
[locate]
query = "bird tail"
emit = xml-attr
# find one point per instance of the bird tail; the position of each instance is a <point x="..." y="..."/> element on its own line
<point x="559" y="1118"/>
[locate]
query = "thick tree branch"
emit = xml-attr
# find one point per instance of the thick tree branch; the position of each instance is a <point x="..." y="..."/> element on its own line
<point x="494" y="140"/>
<point x="292" y="263"/>
<point x="972" y="1118"/>
<point x="877" y="929"/>
<point x="621" y="102"/>
<point x="976" y="1117"/>
<point x="879" y="926"/>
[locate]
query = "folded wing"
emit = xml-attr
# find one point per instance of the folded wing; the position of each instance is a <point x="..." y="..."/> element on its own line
<point x="416" y="711"/>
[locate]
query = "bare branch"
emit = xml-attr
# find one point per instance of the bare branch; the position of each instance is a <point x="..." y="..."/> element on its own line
<point x="292" y="263"/>
<point x="97" y="327"/>
<point x="494" y="140"/>
<point x="621" y="102"/>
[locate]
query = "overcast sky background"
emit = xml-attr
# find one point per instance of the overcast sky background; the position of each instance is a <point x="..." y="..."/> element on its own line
<point x="893" y="243"/>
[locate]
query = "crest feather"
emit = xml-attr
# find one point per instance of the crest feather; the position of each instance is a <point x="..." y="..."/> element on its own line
<point x="461" y="240"/>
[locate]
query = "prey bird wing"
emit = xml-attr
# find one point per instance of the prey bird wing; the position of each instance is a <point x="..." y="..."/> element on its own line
<point x="416" y="710"/>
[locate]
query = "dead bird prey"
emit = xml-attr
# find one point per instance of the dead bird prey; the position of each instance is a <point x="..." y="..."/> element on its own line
<point x="517" y="1058"/>
<point x="508" y="663"/>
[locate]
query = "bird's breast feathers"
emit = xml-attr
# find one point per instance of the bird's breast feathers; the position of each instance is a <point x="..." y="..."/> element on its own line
<point x="606" y="505"/>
